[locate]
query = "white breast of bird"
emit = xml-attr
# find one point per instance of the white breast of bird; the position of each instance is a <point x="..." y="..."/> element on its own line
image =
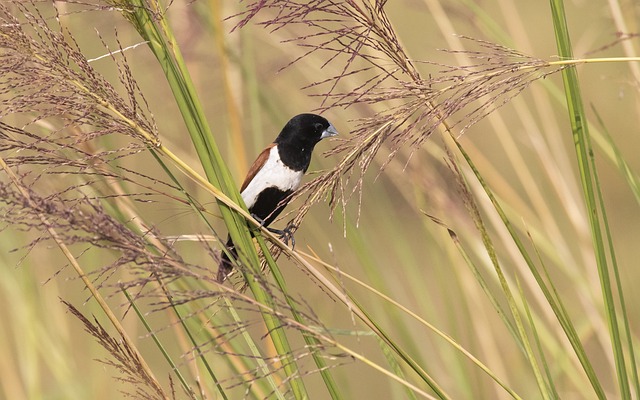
<point x="273" y="174"/>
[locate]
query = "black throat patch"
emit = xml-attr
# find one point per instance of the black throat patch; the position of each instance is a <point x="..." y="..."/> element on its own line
<point x="295" y="157"/>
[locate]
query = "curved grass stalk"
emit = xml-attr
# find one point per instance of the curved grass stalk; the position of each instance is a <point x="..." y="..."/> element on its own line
<point x="313" y="257"/>
<point x="158" y="343"/>
<point x="328" y="339"/>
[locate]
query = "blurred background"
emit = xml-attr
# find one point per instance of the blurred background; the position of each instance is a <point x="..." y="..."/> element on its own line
<point x="524" y="151"/>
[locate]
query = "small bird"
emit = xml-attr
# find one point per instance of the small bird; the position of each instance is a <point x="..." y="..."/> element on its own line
<point x="277" y="173"/>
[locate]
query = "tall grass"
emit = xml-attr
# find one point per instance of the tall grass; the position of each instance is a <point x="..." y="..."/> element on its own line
<point x="451" y="243"/>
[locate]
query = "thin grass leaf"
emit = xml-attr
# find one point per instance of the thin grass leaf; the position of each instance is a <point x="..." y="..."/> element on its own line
<point x="479" y="278"/>
<point x="255" y="351"/>
<point x="634" y="185"/>
<point x="162" y="348"/>
<point x="554" y="300"/>
<point x="395" y="366"/>
<point x="553" y="392"/>
<point x="543" y="385"/>
<point x="594" y="207"/>
<point x="397" y="349"/>
<point x="474" y="211"/>
<point x="616" y="274"/>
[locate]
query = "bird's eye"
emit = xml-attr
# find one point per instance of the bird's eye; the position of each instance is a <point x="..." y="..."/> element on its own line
<point x="318" y="126"/>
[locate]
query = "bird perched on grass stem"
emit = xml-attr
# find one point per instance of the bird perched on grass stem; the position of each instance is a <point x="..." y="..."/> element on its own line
<point x="277" y="173"/>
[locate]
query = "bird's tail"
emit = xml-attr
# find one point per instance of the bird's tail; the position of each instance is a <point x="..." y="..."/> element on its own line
<point x="225" y="267"/>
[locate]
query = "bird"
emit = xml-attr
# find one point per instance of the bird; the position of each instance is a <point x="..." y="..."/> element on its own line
<point x="276" y="174"/>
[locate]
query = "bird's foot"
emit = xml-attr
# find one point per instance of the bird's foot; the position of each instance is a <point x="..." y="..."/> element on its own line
<point x="285" y="234"/>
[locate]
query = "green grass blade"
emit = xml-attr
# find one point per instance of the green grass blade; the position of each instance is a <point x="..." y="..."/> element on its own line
<point x="625" y="170"/>
<point x="400" y="352"/>
<point x="310" y="340"/>
<point x="634" y="185"/>
<point x="594" y="206"/>
<point x="481" y="280"/>
<point x="546" y="387"/>
<point x="554" y="300"/>
<point x="254" y="350"/>
<point x="164" y="47"/>
<point x="473" y="210"/>
<point x="616" y="270"/>
<point x="395" y="367"/>
<point x="162" y="349"/>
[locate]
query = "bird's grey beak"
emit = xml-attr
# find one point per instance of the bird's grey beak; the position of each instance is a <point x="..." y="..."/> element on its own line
<point x="330" y="131"/>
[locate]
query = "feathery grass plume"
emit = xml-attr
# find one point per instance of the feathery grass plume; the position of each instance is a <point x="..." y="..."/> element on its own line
<point x="224" y="332"/>
<point x="66" y="110"/>
<point x="125" y="360"/>
<point x="70" y="138"/>
<point x="375" y="72"/>
<point x="359" y="39"/>
<point x="49" y="76"/>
